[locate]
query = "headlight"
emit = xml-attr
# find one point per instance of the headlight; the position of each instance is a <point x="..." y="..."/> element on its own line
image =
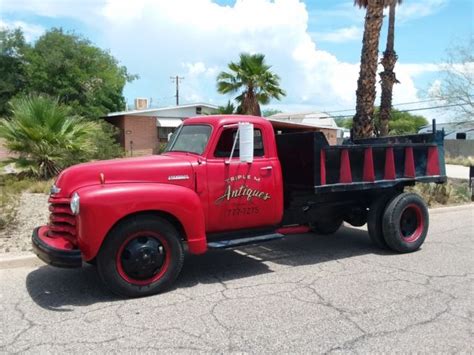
<point x="75" y="203"/>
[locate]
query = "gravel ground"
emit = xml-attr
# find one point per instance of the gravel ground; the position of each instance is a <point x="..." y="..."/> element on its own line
<point x="32" y="212"/>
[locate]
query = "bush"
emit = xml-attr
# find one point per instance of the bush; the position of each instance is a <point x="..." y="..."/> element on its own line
<point x="453" y="192"/>
<point x="105" y="141"/>
<point x="46" y="137"/>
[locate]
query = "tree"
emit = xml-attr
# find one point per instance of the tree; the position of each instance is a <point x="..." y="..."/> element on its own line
<point x="388" y="77"/>
<point x="46" y="136"/>
<point x="456" y="88"/>
<point x="228" y="109"/>
<point x="363" y="125"/>
<point x="270" y="112"/>
<point x="83" y="76"/>
<point x="12" y="71"/>
<point x="252" y="78"/>
<point x="401" y="122"/>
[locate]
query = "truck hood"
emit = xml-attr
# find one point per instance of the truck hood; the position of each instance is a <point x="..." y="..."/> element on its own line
<point x="169" y="169"/>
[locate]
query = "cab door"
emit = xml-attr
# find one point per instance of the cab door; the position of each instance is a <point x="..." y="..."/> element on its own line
<point x="240" y="194"/>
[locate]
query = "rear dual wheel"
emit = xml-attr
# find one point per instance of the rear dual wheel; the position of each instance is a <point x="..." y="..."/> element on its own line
<point x="140" y="257"/>
<point x="405" y="223"/>
<point x="398" y="222"/>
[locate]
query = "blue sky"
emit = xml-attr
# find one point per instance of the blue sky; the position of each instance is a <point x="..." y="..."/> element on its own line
<point x="313" y="45"/>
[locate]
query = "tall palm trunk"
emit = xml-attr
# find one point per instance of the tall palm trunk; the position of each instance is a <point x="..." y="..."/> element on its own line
<point x="250" y="105"/>
<point x="388" y="77"/>
<point x="363" y="125"/>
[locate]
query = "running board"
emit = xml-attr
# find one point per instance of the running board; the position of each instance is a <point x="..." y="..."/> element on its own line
<point x="232" y="243"/>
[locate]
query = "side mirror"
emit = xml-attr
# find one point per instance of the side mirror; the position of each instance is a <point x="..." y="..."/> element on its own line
<point x="246" y="142"/>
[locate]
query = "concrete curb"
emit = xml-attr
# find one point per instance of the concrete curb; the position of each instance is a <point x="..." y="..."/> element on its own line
<point x="14" y="261"/>
<point x="467" y="206"/>
<point x="29" y="259"/>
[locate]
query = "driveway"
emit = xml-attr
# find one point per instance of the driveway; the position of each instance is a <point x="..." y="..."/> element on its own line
<point x="306" y="293"/>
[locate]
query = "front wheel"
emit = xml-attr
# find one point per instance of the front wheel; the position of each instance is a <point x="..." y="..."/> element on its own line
<point x="405" y="222"/>
<point x="140" y="257"/>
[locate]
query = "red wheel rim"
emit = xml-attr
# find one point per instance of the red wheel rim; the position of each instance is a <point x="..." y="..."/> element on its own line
<point x="412" y="223"/>
<point x="148" y="261"/>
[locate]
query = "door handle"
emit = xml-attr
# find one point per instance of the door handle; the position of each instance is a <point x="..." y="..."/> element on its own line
<point x="267" y="168"/>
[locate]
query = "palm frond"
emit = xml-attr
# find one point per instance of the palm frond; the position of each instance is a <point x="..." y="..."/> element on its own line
<point x="253" y="79"/>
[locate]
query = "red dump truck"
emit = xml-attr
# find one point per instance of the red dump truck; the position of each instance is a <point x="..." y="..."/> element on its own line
<point x="226" y="181"/>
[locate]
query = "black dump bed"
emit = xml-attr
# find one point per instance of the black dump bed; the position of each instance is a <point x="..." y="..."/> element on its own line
<point x="309" y="163"/>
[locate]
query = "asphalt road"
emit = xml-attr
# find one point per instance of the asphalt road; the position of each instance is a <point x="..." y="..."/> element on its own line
<point x="306" y="293"/>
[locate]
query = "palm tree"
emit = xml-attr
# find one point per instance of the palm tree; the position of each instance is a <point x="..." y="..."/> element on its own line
<point x="45" y="137"/>
<point x="363" y="125"/>
<point x="252" y="78"/>
<point x="229" y="108"/>
<point x="388" y="77"/>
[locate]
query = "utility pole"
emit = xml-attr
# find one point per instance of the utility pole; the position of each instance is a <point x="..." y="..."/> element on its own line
<point x="177" y="79"/>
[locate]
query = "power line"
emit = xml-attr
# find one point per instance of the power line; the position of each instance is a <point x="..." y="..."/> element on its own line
<point x="401" y="103"/>
<point x="408" y="110"/>
<point x="177" y="79"/>
<point x="432" y="107"/>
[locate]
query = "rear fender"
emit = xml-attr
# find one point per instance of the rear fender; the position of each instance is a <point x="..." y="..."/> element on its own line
<point x="103" y="206"/>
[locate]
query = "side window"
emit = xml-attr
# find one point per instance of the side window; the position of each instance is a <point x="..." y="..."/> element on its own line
<point x="224" y="146"/>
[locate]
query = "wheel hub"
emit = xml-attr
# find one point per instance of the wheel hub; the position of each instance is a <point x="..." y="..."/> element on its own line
<point x="142" y="257"/>
<point x="408" y="222"/>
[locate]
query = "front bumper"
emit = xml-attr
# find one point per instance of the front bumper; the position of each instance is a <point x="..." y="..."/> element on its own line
<point x="55" y="251"/>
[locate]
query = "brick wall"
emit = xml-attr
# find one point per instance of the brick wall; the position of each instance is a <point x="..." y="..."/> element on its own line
<point x="140" y="135"/>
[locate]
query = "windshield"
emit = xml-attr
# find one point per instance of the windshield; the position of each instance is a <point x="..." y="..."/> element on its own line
<point x="190" y="138"/>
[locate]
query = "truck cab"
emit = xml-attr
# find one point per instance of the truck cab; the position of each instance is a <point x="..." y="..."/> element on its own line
<point x="225" y="181"/>
<point x="234" y="193"/>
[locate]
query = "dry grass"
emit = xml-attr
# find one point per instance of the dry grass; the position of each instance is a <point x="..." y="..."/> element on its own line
<point x="11" y="187"/>
<point x="465" y="161"/>
<point x="452" y="193"/>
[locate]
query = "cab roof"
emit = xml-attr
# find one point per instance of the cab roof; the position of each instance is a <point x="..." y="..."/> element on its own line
<point x="220" y="120"/>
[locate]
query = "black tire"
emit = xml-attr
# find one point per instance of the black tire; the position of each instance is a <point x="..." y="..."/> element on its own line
<point x="326" y="227"/>
<point x="140" y="257"/>
<point x="406" y="222"/>
<point x="375" y="222"/>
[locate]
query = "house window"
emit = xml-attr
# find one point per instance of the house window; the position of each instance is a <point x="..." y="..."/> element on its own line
<point x="163" y="132"/>
<point x="198" y="110"/>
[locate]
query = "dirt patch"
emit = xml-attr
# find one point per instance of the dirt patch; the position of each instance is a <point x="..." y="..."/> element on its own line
<point x="32" y="211"/>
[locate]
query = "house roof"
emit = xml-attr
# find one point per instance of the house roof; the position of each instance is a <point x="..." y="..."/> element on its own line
<point x="313" y="118"/>
<point x="150" y="111"/>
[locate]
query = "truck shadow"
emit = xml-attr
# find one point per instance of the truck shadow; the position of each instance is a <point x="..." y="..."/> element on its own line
<point x="62" y="289"/>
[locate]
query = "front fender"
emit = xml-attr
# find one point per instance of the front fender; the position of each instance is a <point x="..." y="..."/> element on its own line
<point x="102" y="206"/>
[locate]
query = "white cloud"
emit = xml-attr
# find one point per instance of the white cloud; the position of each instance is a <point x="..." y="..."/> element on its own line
<point x="340" y="35"/>
<point x="30" y="31"/>
<point x="413" y="10"/>
<point x="84" y="11"/>
<point x="196" y="39"/>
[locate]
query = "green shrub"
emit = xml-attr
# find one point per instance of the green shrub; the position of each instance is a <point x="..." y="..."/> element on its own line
<point x="46" y="137"/>
<point x="104" y="139"/>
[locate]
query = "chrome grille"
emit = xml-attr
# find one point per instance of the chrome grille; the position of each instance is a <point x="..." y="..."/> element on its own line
<point x="62" y="223"/>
